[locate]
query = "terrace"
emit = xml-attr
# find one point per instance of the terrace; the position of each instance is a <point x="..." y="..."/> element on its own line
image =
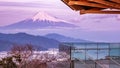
<point x="93" y="55"/>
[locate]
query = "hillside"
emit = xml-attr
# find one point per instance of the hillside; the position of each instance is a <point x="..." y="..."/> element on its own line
<point x="23" y="38"/>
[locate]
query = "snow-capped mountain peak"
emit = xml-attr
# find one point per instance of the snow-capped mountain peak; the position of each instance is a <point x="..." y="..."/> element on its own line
<point x="40" y="20"/>
<point x="42" y="16"/>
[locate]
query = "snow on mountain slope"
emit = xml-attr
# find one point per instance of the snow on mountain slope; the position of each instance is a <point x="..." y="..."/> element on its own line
<point x="44" y="16"/>
<point x="40" y="20"/>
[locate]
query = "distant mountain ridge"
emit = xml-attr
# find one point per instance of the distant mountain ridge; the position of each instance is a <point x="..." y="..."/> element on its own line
<point x="41" y="42"/>
<point x="7" y="40"/>
<point x="40" y="20"/>
<point x="63" y="38"/>
<point x="5" y="45"/>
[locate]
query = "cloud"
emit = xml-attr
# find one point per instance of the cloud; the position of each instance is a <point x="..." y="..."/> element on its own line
<point x="100" y="22"/>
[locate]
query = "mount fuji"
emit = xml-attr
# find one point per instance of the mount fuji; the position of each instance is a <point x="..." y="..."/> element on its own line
<point x="40" y="20"/>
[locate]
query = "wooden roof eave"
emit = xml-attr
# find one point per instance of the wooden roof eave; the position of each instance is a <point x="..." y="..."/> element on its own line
<point x="98" y="12"/>
<point x="116" y="1"/>
<point x="111" y="4"/>
<point x="73" y="7"/>
<point x="86" y="3"/>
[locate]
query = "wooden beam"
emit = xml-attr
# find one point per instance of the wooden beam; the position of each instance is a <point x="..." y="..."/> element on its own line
<point x="73" y="7"/>
<point x="117" y="1"/>
<point x="94" y="6"/>
<point x="86" y="3"/>
<point x="66" y="2"/>
<point x="99" y="12"/>
<point x="108" y="3"/>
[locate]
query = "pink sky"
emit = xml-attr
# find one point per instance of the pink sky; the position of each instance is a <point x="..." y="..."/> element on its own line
<point x="12" y="11"/>
<point x="30" y="0"/>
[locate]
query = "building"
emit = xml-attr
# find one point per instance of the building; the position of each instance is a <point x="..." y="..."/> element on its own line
<point x="93" y="55"/>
